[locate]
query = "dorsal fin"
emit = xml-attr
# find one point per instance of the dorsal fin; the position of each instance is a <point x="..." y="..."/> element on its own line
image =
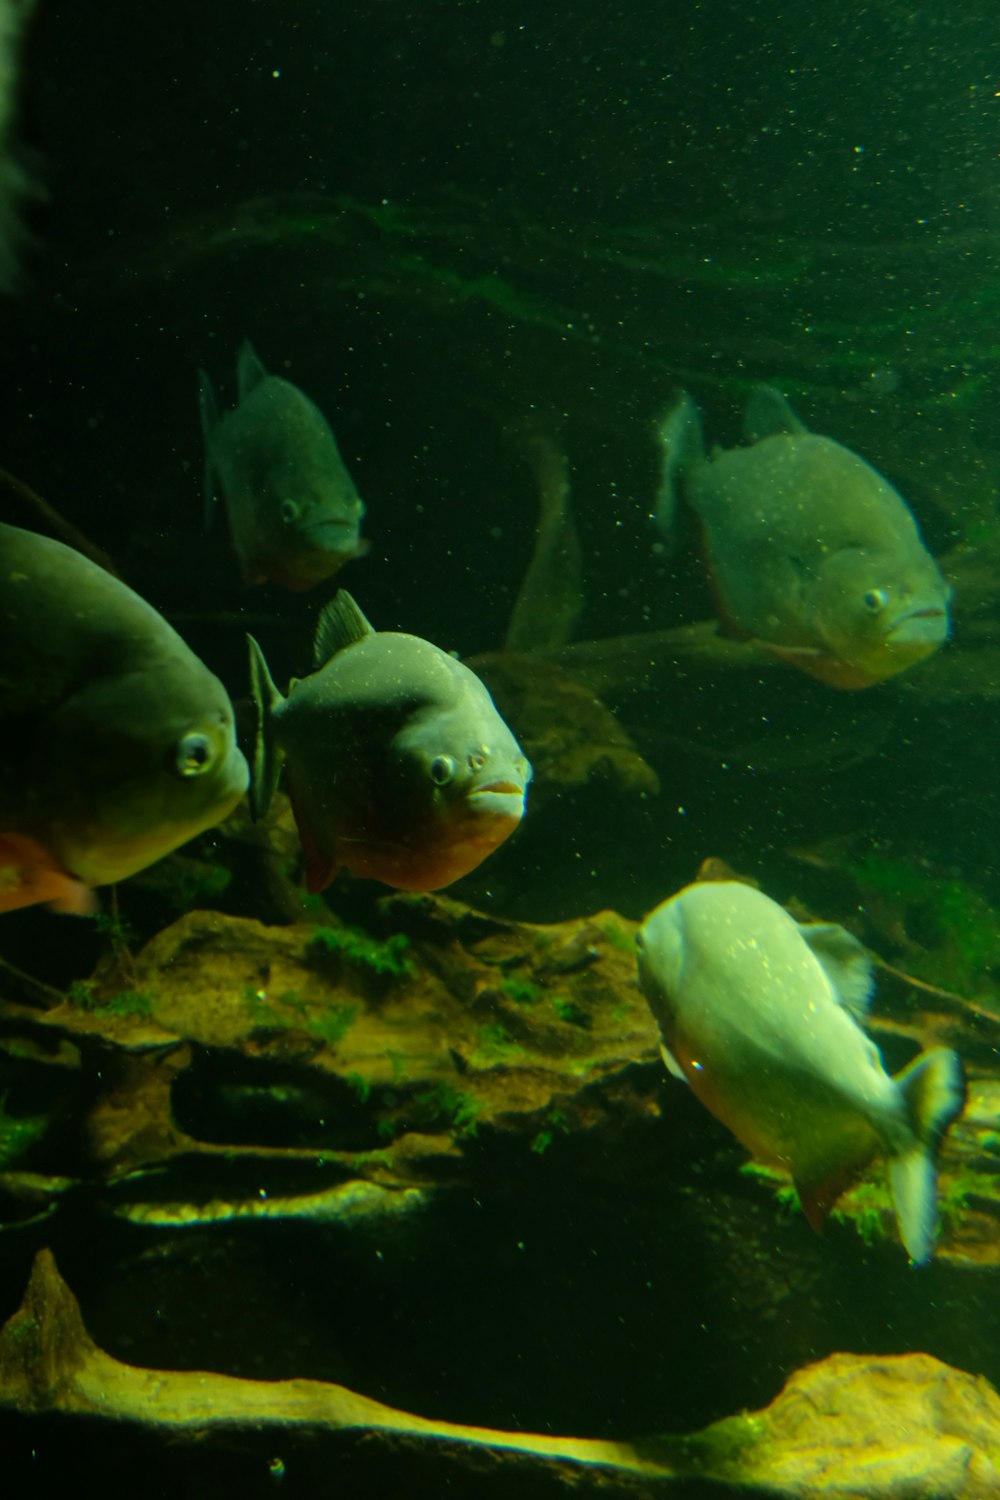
<point x="767" y="414"/>
<point x="846" y="964"/>
<point x="681" y="447"/>
<point x="249" y="370"/>
<point x="340" y="624"/>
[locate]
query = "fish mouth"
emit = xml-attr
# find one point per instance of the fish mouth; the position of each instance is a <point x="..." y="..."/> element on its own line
<point x="928" y="625"/>
<point x="500" y="799"/>
<point x="327" y="531"/>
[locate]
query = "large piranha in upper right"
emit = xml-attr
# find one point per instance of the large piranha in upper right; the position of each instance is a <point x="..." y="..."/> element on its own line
<point x="812" y="553"/>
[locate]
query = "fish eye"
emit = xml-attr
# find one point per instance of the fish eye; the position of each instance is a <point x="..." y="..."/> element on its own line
<point x="442" y="770"/>
<point x="290" y="511"/>
<point x="194" y="754"/>
<point x="875" y="600"/>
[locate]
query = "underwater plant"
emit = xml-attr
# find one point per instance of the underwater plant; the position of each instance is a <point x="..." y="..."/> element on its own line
<point x="388" y="957"/>
<point x="126" y="1003"/>
<point x="18" y="1133"/>
<point x="522" y="991"/>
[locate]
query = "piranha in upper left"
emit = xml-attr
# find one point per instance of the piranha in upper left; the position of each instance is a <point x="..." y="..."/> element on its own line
<point x="116" y="743"/>
<point x="293" y="510"/>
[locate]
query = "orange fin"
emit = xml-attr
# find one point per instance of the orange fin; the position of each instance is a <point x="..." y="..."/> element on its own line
<point x="29" y="876"/>
<point x="817" y="1198"/>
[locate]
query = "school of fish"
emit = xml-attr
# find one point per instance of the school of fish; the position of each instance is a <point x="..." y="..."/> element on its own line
<point x="119" y="745"/>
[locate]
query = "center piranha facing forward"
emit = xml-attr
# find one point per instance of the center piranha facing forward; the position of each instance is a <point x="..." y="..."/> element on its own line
<point x="398" y="765"/>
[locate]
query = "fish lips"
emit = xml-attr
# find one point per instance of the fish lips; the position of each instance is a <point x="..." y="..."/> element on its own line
<point x="928" y="626"/>
<point x="499" y="799"/>
<point x="333" y="535"/>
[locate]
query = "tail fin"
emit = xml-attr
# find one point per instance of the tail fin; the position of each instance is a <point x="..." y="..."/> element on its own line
<point x="933" y="1089"/>
<point x="266" y="760"/>
<point x="681" y="443"/>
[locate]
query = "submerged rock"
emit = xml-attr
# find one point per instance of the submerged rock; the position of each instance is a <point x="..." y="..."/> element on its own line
<point x="850" y="1427"/>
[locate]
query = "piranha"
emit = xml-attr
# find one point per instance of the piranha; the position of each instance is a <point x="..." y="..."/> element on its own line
<point x="761" y="1016"/>
<point x="293" y="510"/>
<point x="397" y="763"/>
<point x="811" y="552"/>
<point x="117" y="743"/>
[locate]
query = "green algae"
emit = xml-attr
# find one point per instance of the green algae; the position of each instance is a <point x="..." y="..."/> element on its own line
<point x="328" y="1023"/>
<point x="125" y="1003"/>
<point x="521" y="991"/>
<point x="18" y="1133"/>
<point x="952" y="920"/>
<point x="358" y="947"/>
<point x="438" y="1106"/>
<point x="728" y="1450"/>
<point x="570" y="1012"/>
<point x="554" y="1124"/>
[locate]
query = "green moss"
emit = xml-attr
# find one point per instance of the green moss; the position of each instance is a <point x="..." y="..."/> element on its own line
<point x="18" y="1133"/>
<point x="329" y="1023"/>
<point x="389" y="957"/>
<point x="555" y="1123"/>
<point x="521" y="991"/>
<point x="616" y="936"/>
<point x="569" y="1011"/>
<point x="727" y="1450"/>
<point x="128" y="1003"/>
<point x="494" y="1041"/>
<point x="360" y="1086"/>
<point x="440" y="1103"/>
<point x="365" y="1160"/>
<point x="332" y="1024"/>
<point x="945" y="913"/>
<point x="117" y="931"/>
<point x="868" y="1207"/>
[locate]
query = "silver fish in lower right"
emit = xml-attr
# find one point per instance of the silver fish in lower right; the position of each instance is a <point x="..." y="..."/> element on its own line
<point x="761" y="1017"/>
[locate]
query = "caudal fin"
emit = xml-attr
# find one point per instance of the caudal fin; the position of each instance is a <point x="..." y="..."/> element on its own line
<point x="682" y="444"/>
<point x="933" y="1089"/>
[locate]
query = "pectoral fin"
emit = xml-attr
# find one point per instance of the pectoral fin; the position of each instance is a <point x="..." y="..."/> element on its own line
<point x="672" y="1065"/>
<point x="845" y="962"/>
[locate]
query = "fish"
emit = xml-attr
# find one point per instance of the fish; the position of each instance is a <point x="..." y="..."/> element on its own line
<point x="398" y="765"/>
<point x="294" y="513"/>
<point x="811" y="552"/>
<point x="117" y="744"/>
<point x="762" y="1017"/>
